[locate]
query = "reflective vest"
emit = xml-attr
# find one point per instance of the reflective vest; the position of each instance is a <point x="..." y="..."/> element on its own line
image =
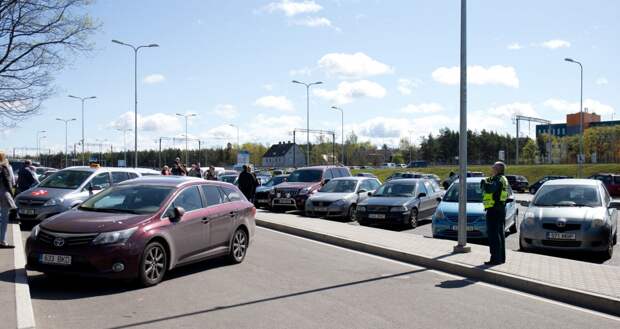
<point x="487" y="198"/>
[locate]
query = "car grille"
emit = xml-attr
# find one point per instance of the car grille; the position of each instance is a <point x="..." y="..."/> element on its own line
<point x="71" y="240"/>
<point x="321" y="203"/>
<point x="568" y="227"/>
<point x="470" y="219"/>
<point x="30" y="202"/>
<point x="292" y="191"/>
<point x="565" y="244"/>
<point x="377" y="208"/>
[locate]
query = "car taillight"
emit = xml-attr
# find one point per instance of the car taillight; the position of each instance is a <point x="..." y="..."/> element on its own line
<point x="253" y="211"/>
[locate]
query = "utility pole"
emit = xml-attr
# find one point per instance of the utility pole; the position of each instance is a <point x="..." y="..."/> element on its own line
<point x="342" y="129"/>
<point x="308" y="85"/>
<point x="66" y="121"/>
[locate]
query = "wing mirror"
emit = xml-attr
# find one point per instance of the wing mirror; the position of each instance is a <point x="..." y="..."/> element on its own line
<point x="510" y="200"/>
<point x="438" y="199"/>
<point x="524" y="203"/>
<point x="177" y="214"/>
<point x="614" y="205"/>
<point x="370" y="193"/>
<point x="421" y="195"/>
<point x="361" y="191"/>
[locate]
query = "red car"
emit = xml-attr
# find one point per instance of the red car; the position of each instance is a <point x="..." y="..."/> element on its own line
<point x="144" y="227"/>
<point x="611" y="182"/>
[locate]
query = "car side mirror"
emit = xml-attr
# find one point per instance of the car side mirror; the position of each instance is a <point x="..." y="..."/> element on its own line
<point x="361" y="191"/>
<point x="510" y="200"/>
<point x="177" y="214"/>
<point x="438" y="199"/>
<point x="325" y="181"/>
<point x="614" y="205"/>
<point x="524" y="203"/>
<point x="421" y="195"/>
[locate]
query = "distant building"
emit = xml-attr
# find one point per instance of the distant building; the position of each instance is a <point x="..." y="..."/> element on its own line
<point x="571" y="127"/>
<point x="284" y="154"/>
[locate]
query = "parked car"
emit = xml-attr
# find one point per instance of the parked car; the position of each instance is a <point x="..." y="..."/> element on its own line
<point x="445" y="218"/>
<point x="446" y="183"/>
<point x="432" y="177"/>
<point x="571" y="215"/>
<point x="142" y="228"/>
<point x="66" y="189"/>
<point x="228" y="178"/>
<point x="366" y="174"/>
<point x="404" y="175"/>
<point x="417" y="164"/>
<point x="261" y="197"/>
<point x="611" y="182"/>
<point x="147" y="172"/>
<point x="39" y="171"/>
<point x="518" y="183"/>
<point x="401" y="165"/>
<point x="301" y="184"/>
<point x="534" y="187"/>
<point x="340" y="197"/>
<point x="388" y="165"/>
<point x="401" y="201"/>
<point x="47" y="174"/>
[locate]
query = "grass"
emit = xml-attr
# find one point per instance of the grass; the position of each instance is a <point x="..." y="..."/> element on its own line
<point x="531" y="172"/>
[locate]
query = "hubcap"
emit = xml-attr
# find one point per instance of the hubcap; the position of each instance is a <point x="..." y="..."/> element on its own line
<point x="239" y="245"/>
<point x="154" y="263"/>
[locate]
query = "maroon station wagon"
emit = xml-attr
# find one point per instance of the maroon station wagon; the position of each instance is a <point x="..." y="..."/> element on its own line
<point x="144" y="227"/>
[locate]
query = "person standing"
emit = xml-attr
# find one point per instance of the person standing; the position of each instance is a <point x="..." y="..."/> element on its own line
<point x="165" y="171"/>
<point x="247" y="183"/>
<point x="195" y="171"/>
<point x="494" y="196"/>
<point x="27" y="178"/>
<point x="211" y="174"/>
<point x="178" y="169"/>
<point x="6" y="199"/>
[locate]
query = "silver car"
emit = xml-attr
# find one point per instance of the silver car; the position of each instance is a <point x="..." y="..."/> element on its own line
<point x="340" y="196"/>
<point x="572" y="215"/>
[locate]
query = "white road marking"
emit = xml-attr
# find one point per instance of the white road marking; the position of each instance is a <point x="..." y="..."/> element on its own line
<point x="23" y="303"/>
<point x="573" y="307"/>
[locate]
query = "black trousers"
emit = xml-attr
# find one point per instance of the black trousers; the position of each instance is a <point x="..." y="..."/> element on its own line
<point x="496" y="218"/>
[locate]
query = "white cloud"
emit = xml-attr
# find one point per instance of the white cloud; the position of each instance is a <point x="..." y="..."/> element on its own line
<point x="314" y="22"/>
<point x="346" y="91"/>
<point x="157" y="122"/>
<point x="275" y="102"/>
<point x="566" y="107"/>
<point x="478" y="75"/>
<point x="515" y="46"/>
<point x="601" y="81"/>
<point x="422" y="108"/>
<point x="268" y="87"/>
<point x="292" y="8"/>
<point x="304" y="71"/>
<point x="499" y="118"/>
<point x="353" y="65"/>
<point x="406" y="86"/>
<point x="380" y="130"/>
<point x="154" y="78"/>
<point x="226" y="111"/>
<point x="554" y="44"/>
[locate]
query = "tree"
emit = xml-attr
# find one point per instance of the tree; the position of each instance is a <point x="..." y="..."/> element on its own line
<point x="36" y="36"/>
<point x="530" y="150"/>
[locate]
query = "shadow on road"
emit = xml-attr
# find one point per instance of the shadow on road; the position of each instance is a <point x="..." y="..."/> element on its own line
<point x="453" y="284"/>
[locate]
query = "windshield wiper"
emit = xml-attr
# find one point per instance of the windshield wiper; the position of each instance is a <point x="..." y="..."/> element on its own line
<point x="584" y="205"/>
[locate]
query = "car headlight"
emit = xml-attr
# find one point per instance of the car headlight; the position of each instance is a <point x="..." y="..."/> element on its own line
<point x="528" y="219"/>
<point x="338" y="203"/>
<point x="361" y="209"/>
<point x="439" y="214"/>
<point x="304" y="191"/>
<point x="597" y="222"/>
<point x="114" y="237"/>
<point x="50" y="202"/>
<point x="34" y="232"/>
<point x="399" y="209"/>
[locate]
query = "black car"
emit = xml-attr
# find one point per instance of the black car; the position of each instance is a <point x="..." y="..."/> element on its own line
<point x="535" y="186"/>
<point x="261" y="197"/>
<point x="518" y="183"/>
<point x="400" y="201"/>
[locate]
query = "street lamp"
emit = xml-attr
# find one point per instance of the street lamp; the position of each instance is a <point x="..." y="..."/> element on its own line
<point x="101" y="142"/>
<point x="581" y="157"/>
<point x="124" y="130"/>
<point x="308" y="85"/>
<point x="189" y="115"/>
<point x="83" y="99"/>
<point x="38" y="144"/>
<point x="410" y="146"/>
<point x="342" y="128"/>
<point x="235" y="126"/>
<point x="66" y="121"/>
<point x="135" y="117"/>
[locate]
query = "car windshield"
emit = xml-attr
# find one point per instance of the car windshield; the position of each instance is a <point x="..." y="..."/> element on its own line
<point x="567" y="196"/>
<point x="339" y="186"/>
<point x="306" y="176"/>
<point x="474" y="193"/>
<point x="396" y="190"/>
<point x="275" y="181"/>
<point x="228" y="179"/>
<point x="128" y="199"/>
<point x="66" y="179"/>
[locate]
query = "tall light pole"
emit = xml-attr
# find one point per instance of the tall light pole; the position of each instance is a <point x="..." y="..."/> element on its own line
<point x="462" y="247"/>
<point x="39" y="144"/>
<point x="124" y="130"/>
<point x="66" y="121"/>
<point x="186" y="116"/>
<point x="308" y="85"/>
<point x="410" y="146"/>
<point x="235" y="126"/>
<point x="135" y="116"/>
<point x="580" y="157"/>
<point x="83" y="99"/>
<point x="342" y="128"/>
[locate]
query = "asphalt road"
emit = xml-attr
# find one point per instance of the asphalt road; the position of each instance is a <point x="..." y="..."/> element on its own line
<point x="289" y="282"/>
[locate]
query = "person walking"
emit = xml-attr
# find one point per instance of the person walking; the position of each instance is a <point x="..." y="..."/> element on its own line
<point x="210" y="175"/>
<point x="6" y="199"/>
<point x="247" y="183"/>
<point x="27" y="178"/>
<point x="494" y="196"/>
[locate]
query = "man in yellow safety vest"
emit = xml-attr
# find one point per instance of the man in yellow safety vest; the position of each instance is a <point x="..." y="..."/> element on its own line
<point x="494" y="196"/>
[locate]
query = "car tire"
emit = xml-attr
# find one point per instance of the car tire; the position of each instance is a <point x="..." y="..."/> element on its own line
<point x="351" y="213"/>
<point x="238" y="246"/>
<point x="413" y="219"/>
<point x="522" y="247"/>
<point x="153" y="264"/>
<point x="513" y="228"/>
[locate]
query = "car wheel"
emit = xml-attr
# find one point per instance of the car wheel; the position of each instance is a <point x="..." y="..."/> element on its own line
<point x="522" y="247"/>
<point x="413" y="219"/>
<point x="351" y="215"/>
<point x="238" y="247"/>
<point x="153" y="264"/>
<point x="513" y="227"/>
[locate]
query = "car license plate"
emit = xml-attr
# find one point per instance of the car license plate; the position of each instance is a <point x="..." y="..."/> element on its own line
<point x="456" y="228"/>
<point x="25" y="211"/>
<point x="55" y="259"/>
<point x="561" y="236"/>
<point x="376" y="216"/>
<point x="285" y="201"/>
<point x="320" y="209"/>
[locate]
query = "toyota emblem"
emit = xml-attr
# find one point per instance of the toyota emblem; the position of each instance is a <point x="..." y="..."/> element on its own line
<point x="561" y="223"/>
<point x="59" y="242"/>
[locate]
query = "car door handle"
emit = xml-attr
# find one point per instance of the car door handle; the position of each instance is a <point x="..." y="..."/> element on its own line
<point x="232" y="213"/>
<point x="205" y="220"/>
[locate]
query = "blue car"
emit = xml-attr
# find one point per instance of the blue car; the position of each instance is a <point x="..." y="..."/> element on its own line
<point x="445" y="218"/>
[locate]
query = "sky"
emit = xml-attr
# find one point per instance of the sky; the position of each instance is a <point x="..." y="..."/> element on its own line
<point x="392" y="66"/>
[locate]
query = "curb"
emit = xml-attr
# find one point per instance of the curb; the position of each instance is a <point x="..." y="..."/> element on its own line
<point x="597" y="302"/>
<point x="23" y="303"/>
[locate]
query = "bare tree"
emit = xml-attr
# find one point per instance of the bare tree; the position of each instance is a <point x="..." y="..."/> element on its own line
<point x="36" y="39"/>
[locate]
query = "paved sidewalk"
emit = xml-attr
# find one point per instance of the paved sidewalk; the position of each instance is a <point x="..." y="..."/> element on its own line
<point x="580" y="283"/>
<point x="8" y="318"/>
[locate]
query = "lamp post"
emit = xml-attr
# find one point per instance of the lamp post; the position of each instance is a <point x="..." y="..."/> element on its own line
<point x="39" y="144"/>
<point x="124" y="130"/>
<point x="308" y="85"/>
<point x="186" y="116"/>
<point x="135" y="117"/>
<point x="38" y="149"/>
<point x="83" y="99"/>
<point x="100" y="143"/>
<point x="410" y="146"/>
<point x="235" y="126"/>
<point x="66" y="121"/>
<point x="342" y="128"/>
<point x="580" y="157"/>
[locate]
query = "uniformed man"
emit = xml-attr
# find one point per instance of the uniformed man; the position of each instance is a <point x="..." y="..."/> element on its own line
<point x="494" y="195"/>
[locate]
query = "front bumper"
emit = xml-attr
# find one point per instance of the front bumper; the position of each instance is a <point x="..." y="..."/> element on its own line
<point x="330" y="211"/>
<point x="586" y="239"/>
<point x="39" y="213"/>
<point x="447" y="229"/>
<point x="389" y="217"/>
<point x="297" y="202"/>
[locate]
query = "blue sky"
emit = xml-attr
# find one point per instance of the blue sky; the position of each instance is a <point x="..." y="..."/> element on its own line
<point x="391" y="65"/>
